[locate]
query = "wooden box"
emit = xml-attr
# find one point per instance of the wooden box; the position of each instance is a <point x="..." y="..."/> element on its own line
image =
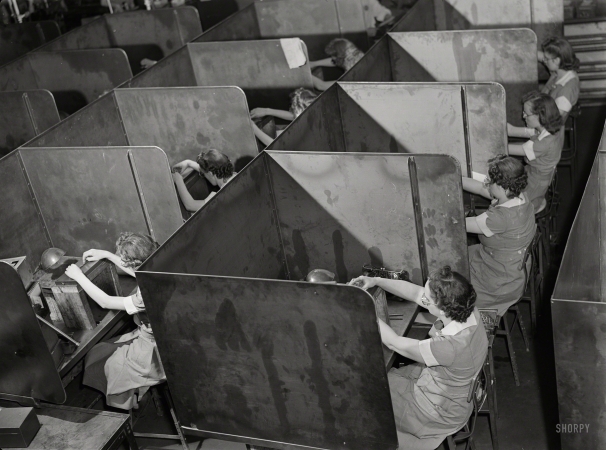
<point x="18" y="427"/>
<point x="67" y="301"/>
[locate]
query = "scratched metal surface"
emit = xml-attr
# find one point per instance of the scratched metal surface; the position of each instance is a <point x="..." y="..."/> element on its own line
<point x="96" y="125"/>
<point x="18" y="124"/>
<point x="442" y="212"/>
<point x="318" y="128"/>
<point x="88" y="196"/>
<point x="579" y="277"/>
<point x="27" y="366"/>
<point x="545" y="17"/>
<point x="185" y="121"/>
<point x="19" y="38"/>
<point x="296" y="364"/>
<point x="75" y="77"/>
<point x="172" y="71"/>
<point x="258" y="67"/>
<point x="230" y="235"/>
<point x="504" y="56"/>
<point x="21" y="230"/>
<point x="241" y="26"/>
<point x="341" y="211"/>
<point x="403" y="118"/>
<point x="374" y="66"/>
<point x="579" y="331"/>
<point x="150" y="34"/>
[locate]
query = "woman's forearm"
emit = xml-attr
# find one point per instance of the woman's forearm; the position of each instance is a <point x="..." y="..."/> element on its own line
<point x="260" y="134"/>
<point x="326" y="62"/>
<point x="475" y="187"/>
<point x="516" y="149"/>
<point x="117" y="261"/>
<point x="100" y="297"/>
<point x="404" y="346"/>
<point x="321" y="85"/>
<point x="403" y="289"/>
<point x="281" y="114"/>
<point x="520" y="132"/>
<point x="189" y="202"/>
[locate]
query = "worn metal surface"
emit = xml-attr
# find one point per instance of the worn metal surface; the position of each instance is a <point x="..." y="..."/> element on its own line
<point x="75" y="77"/>
<point x="579" y="344"/>
<point x="173" y="71"/>
<point x="27" y="366"/>
<point x="85" y="198"/>
<point x="314" y="21"/>
<point x="504" y="56"/>
<point x="19" y="38"/>
<point x="21" y="227"/>
<point x="185" y="121"/>
<point x="289" y="364"/>
<point x="231" y="236"/>
<point x="150" y="34"/>
<point x="23" y="115"/>
<point x="405" y="118"/>
<point x="374" y="66"/>
<point x="258" y="67"/>
<point x="545" y="17"/>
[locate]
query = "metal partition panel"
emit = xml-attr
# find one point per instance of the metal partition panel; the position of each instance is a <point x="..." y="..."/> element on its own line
<point x="291" y="365"/>
<point x="173" y="71"/>
<point x="317" y="129"/>
<point x="466" y="121"/>
<point x="28" y="369"/>
<point x="241" y="26"/>
<point x="374" y="66"/>
<point x="75" y="77"/>
<point x="24" y="115"/>
<point x="508" y="57"/>
<point x="19" y="38"/>
<point x="258" y="67"/>
<point x="545" y="17"/>
<point x="88" y="196"/>
<point x="22" y="231"/>
<point x="150" y="34"/>
<point x="230" y="235"/>
<point x="186" y="121"/>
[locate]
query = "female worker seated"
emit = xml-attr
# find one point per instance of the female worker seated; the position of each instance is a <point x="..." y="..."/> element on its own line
<point x="430" y="397"/>
<point x="342" y="54"/>
<point x="505" y="230"/>
<point x="542" y="152"/>
<point x="213" y="165"/>
<point x="123" y="368"/>
<point x="300" y="99"/>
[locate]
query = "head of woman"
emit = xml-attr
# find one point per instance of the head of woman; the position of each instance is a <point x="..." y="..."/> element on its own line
<point x="134" y="248"/>
<point x="559" y="54"/>
<point x="300" y="99"/>
<point x="343" y="52"/>
<point x="215" y="165"/>
<point x="449" y="294"/>
<point x="541" y="111"/>
<point x="506" y="174"/>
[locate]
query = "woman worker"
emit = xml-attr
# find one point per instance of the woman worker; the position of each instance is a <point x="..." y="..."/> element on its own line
<point x="342" y="54"/>
<point x="505" y="231"/>
<point x="542" y="152"/>
<point x="213" y="165"/>
<point x="123" y="368"/>
<point x="430" y="397"/>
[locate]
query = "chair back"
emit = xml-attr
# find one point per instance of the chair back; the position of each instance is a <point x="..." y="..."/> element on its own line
<point x="531" y="255"/>
<point x="490" y="319"/>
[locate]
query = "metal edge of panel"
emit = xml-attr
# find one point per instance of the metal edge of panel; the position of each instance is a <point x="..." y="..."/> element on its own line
<point x="414" y="185"/>
<point x="30" y="113"/>
<point x="140" y="193"/>
<point x="340" y="93"/>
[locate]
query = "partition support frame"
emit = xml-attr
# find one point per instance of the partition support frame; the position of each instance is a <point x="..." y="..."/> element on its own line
<point x="418" y="213"/>
<point x="30" y="113"/>
<point x="133" y="168"/>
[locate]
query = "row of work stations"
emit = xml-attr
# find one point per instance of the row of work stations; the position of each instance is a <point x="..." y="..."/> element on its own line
<point x="256" y="331"/>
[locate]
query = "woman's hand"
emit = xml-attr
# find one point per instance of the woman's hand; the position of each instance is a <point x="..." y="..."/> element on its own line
<point x="180" y="167"/>
<point x="363" y="282"/>
<point x="146" y="63"/>
<point x="177" y="177"/>
<point x="74" y="272"/>
<point x="258" y="113"/>
<point x="94" y="255"/>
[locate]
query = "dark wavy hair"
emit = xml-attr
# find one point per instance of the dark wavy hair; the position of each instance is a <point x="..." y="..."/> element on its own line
<point x="343" y="52"/>
<point x="300" y="99"/>
<point x="134" y="248"/>
<point x="561" y="48"/>
<point x="508" y="173"/>
<point x="215" y="162"/>
<point x="547" y="110"/>
<point x="453" y="293"/>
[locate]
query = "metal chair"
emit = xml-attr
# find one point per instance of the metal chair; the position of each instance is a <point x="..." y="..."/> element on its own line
<point x="569" y="152"/>
<point x="547" y="218"/>
<point x="479" y="392"/>
<point x="532" y="265"/>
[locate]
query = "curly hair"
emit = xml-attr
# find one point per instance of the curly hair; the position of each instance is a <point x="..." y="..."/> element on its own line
<point x="546" y="108"/>
<point x="558" y="47"/>
<point x="134" y="248"/>
<point x="215" y="162"/>
<point x="453" y="293"/>
<point x="344" y="53"/>
<point x="300" y="99"/>
<point x="508" y="173"/>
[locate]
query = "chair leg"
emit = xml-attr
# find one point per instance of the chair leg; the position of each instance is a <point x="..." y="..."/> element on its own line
<point x="492" y="416"/>
<point x="451" y="443"/>
<point x="493" y="382"/>
<point x="533" y="306"/>
<point x="521" y="325"/>
<point x="171" y="407"/>
<point x="512" y="353"/>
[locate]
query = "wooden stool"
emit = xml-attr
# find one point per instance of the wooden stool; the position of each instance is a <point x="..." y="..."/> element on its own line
<point x="65" y="427"/>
